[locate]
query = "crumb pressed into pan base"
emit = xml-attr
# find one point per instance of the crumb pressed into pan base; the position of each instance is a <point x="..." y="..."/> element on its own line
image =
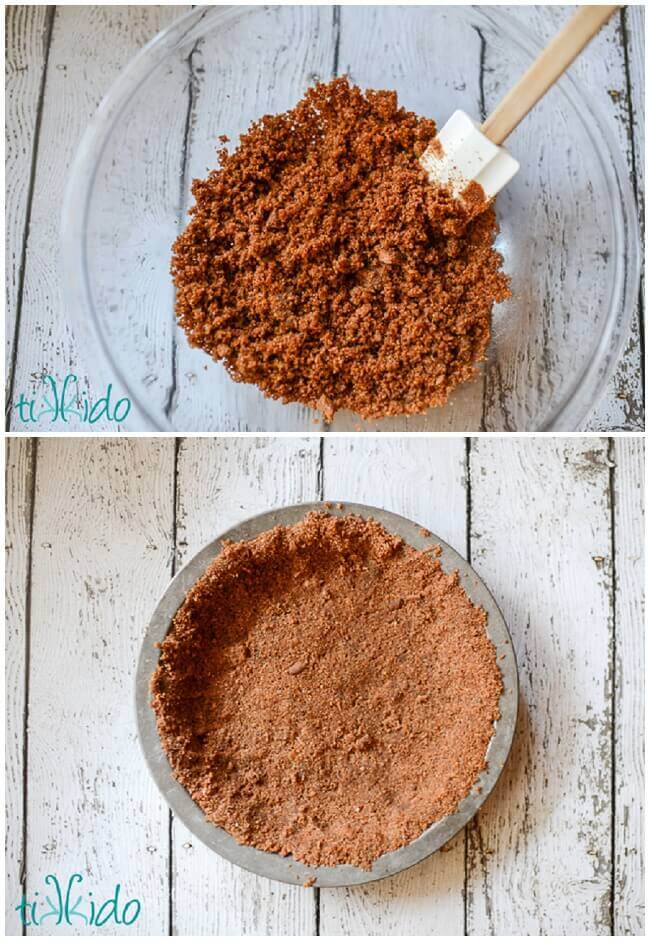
<point x="322" y="265"/>
<point x="327" y="691"/>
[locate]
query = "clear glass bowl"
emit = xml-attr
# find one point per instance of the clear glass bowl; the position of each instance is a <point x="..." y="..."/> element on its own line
<point x="568" y="227"/>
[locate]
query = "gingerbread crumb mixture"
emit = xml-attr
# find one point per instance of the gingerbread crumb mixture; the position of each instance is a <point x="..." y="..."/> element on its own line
<point x="327" y="691"/>
<point x="322" y="265"/>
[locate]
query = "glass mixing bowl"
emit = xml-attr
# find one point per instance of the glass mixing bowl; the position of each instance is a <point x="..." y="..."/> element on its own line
<point x="568" y="228"/>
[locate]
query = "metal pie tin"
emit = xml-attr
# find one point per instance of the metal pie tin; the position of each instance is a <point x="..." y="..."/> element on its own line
<point x="285" y="868"/>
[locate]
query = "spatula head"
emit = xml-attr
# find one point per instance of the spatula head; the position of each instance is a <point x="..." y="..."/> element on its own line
<point x="460" y="154"/>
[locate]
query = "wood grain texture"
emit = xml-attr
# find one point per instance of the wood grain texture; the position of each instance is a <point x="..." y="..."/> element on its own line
<point x="633" y="28"/>
<point x="220" y="482"/>
<point x="634" y="37"/>
<point x="27" y="40"/>
<point x="90" y="45"/>
<point x="567" y="225"/>
<point x="613" y="75"/>
<point x="20" y="456"/>
<point x="628" y="902"/>
<point x="102" y="529"/>
<point x="424" y="480"/>
<point x="539" y="857"/>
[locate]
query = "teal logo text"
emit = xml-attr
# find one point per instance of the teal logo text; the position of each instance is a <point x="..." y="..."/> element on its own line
<point x="65" y="401"/>
<point x="68" y="904"/>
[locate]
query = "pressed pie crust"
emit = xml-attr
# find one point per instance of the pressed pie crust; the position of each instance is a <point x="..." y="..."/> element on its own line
<point x="327" y="691"/>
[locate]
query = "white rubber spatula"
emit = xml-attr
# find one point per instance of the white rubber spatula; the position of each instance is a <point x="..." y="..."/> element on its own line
<point x="464" y="151"/>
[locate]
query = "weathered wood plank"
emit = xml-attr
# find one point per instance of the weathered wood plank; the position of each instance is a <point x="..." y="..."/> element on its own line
<point x="560" y="309"/>
<point x="400" y="44"/>
<point x="618" y="88"/>
<point x="539" y="858"/>
<point x="603" y="71"/>
<point x="222" y="481"/>
<point x="89" y="47"/>
<point x="628" y="903"/>
<point x="629" y="375"/>
<point x="423" y="479"/>
<point x="265" y="68"/>
<point x="20" y="456"/>
<point x="27" y="40"/>
<point x="102" y="529"/>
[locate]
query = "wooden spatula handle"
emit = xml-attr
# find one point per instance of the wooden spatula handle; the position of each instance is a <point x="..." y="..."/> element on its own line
<point x="547" y="68"/>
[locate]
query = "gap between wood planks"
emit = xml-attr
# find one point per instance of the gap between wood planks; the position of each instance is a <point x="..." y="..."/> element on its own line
<point x="635" y="181"/>
<point x="192" y="93"/>
<point x="11" y="371"/>
<point x="31" y="487"/>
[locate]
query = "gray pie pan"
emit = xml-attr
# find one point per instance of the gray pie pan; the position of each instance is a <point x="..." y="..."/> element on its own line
<point x="285" y="868"/>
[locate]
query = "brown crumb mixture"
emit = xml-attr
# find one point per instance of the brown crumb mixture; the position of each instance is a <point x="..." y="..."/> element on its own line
<point x="322" y="265"/>
<point x="327" y="691"/>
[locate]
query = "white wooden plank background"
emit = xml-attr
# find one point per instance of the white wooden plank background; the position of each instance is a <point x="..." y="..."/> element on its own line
<point x="627" y="496"/>
<point x="19" y="484"/>
<point x="541" y="538"/>
<point x="58" y="70"/>
<point x="609" y="70"/>
<point x="77" y="77"/>
<point x="555" y="528"/>
<point x="28" y="41"/>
